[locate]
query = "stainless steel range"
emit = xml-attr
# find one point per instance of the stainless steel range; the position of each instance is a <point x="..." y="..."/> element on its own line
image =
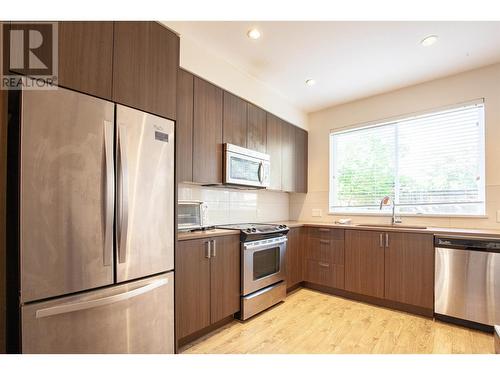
<point x="263" y="248"/>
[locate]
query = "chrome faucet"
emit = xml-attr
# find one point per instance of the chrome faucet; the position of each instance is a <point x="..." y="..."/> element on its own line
<point x="387" y="199"/>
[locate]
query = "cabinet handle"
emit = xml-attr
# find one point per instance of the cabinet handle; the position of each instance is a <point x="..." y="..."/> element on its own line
<point x="323" y="230"/>
<point x="324" y="241"/>
<point x="381" y="240"/>
<point x="387" y="240"/>
<point x="212" y="253"/>
<point x="323" y="264"/>
<point x="207" y="250"/>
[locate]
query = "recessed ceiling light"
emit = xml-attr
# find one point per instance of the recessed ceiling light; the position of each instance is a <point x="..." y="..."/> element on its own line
<point x="310" y="82"/>
<point x="253" y="34"/>
<point x="429" y="40"/>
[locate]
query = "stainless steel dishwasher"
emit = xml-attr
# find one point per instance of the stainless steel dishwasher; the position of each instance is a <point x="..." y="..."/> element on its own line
<point x="467" y="278"/>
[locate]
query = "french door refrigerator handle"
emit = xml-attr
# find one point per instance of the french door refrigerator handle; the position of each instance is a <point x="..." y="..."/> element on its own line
<point x="123" y="203"/>
<point x="85" y="305"/>
<point x="110" y="193"/>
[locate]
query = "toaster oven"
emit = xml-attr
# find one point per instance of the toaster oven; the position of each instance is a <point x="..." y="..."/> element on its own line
<point x="191" y="215"/>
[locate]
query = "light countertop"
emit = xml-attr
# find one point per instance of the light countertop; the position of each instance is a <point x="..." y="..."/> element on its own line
<point x="493" y="233"/>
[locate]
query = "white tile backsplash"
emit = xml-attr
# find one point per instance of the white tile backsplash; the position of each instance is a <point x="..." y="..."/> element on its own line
<point x="228" y="206"/>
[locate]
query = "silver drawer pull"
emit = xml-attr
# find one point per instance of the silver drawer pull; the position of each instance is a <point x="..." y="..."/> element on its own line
<point x="322" y="264"/>
<point x="323" y="230"/>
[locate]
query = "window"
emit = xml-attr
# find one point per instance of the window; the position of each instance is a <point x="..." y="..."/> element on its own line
<point x="430" y="164"/>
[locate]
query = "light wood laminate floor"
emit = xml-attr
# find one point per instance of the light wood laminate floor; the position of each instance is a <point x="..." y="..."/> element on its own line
<point x="314" y="322"/>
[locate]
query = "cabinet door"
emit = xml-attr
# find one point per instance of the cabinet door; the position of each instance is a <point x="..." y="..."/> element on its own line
<point x="288" y="157"/>
<point x="192" y="286"/>
<point x="409" y="269"/>
<point x="256" y="128"/>
<point x="234" y="120"/>
<point x="86" y="57"/>
<point x="294" y="257"/>
<point x="145" y="63"/>
<point x="274" y="126"/>
<point x="184" y="127"/>
<point x="300" y="161"/>
<point x="225" y="277"/>
<point x="207" y="133"/>
<point x="364" y="262"/>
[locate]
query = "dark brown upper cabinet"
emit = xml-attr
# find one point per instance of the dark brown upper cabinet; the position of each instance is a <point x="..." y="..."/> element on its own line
<point x="256" y="128"/>
<point x="300" y="165"/>
<point x="184" y="126"/>
<point x="86" y="57"/>
<point x="274" y="130"/>
<point x="364" y="262"/>
<point x="288" y="167"/>
<point x="234" y="120"/>
<point x="145" y="63"/>
<point x="409" y="268"/>
<point x="207" y="133"/>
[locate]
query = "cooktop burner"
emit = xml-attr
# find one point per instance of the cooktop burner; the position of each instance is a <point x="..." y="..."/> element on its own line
<point x="252" y="232"/>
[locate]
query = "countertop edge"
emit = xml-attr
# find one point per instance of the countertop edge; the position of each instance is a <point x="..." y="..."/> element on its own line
<point x="183" y="236"/>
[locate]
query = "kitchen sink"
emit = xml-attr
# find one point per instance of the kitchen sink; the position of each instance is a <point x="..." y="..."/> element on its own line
<point x="392" y="226"/>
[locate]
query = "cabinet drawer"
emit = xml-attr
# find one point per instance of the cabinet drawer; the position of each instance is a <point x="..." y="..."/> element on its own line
<point x="326" y="250"/>
<point x="320" y="249"/>
<point x="326" y="233"/>
<point x="325" y="273"/>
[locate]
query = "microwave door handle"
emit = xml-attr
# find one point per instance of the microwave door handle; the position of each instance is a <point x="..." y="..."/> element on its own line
<point x="261" y="167"/>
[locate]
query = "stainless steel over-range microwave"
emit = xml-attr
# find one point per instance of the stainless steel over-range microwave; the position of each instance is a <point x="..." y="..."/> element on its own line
<point x="246" y="167"/>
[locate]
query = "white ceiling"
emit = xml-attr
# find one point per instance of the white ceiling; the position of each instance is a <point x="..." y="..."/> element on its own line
<point x="349" y="60"/>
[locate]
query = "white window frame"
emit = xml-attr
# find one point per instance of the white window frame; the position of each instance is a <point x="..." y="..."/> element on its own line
<point x="387" y="121"/>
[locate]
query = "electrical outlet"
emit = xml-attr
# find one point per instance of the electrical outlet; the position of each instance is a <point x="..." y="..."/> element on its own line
<point x="316" y="212"/>
<point x="498" y="216"/>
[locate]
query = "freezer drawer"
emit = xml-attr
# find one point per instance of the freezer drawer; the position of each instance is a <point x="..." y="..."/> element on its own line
<point x="467" y="285"/>
<point x="67" y="193"/>
<point x="137" y="317"/>
<point x="145" y="194"/>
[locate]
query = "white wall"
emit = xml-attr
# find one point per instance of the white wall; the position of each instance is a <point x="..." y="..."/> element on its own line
<point x="197" y="59"/>
<point x="480" y="83"/>
<point x="230" y="206"/>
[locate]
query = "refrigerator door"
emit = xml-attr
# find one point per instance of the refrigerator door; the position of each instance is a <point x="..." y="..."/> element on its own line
<point x="136" y="317"/>
<point x="67" y="193"/>
<point x="145" y="194"/>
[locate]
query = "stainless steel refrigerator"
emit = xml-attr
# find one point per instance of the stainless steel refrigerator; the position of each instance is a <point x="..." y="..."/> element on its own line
<point x="96" y="226"/>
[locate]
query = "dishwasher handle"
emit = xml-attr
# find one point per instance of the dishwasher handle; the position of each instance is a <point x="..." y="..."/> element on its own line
<point x="468" y="243"/>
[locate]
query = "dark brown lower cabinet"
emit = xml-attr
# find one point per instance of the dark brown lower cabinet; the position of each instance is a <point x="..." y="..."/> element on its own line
<point x="225" y="277"/>
<point x="207" y="282"/>
<point x="192" y="287"/>
<point x="324" y="259"/>
<point x="294" y="257"/>
<point x="364" y="262"/>
<point x="409" y="268"/>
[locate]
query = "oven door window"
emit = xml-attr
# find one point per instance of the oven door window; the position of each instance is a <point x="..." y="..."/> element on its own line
<point x="266" y="262"/>
<point x="244" y="169"/>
